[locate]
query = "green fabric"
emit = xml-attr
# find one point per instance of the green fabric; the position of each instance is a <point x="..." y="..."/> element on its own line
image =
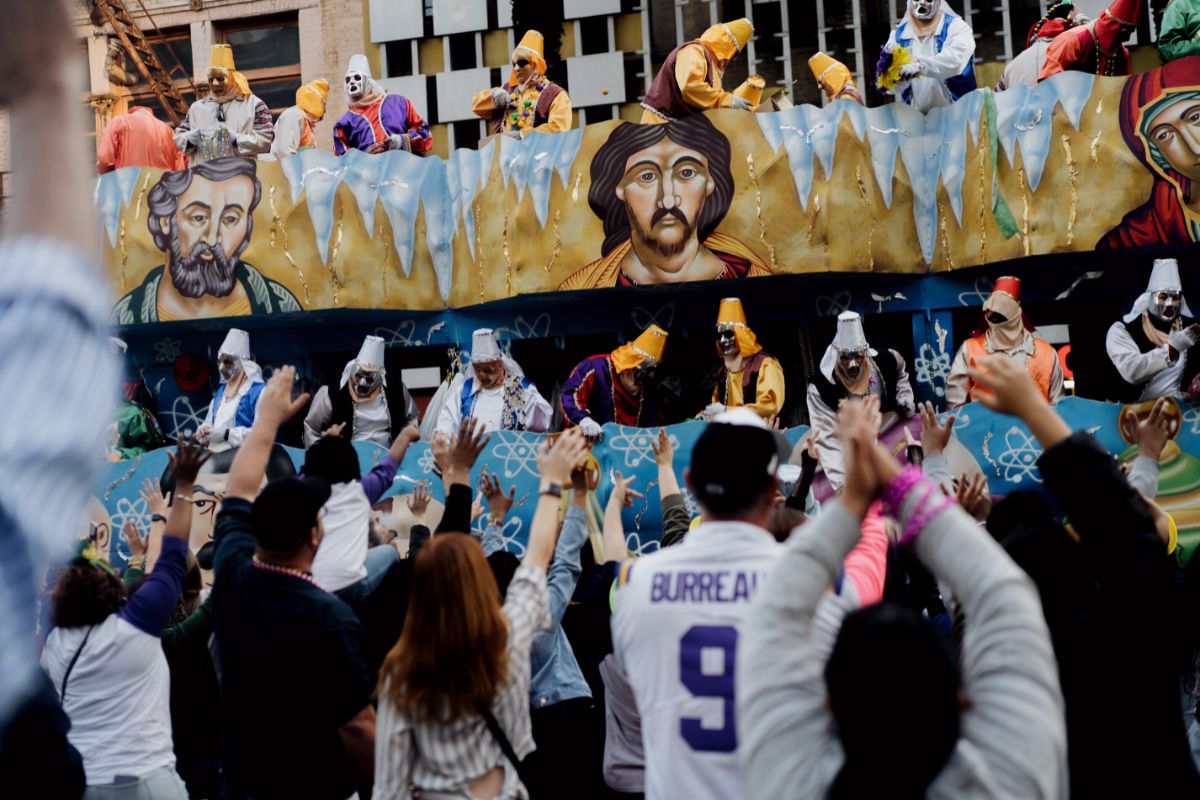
<point x="1177" y="36"/>
<point x="191" y="634"/>
<point x="1000" y="210"/>
<point x="676" y="519"/>
<point x="132" y="574"/>
<point x="138" y="431"/>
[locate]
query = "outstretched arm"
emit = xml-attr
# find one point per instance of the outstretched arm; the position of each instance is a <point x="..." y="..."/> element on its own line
<point x="275" y="407"/>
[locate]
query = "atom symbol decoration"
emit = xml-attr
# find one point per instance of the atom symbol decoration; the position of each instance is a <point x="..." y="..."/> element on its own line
<point x="637" y="444"/>
<point x="182" y="418"/>
<point x="643" y="318"/>
<point x="832" y="305"/>
<point x="135" y="511"/>
<point x="523" y="329"/>
<point x="635" y="545"/>
<point x="425" y="461"/>
<point x="508" y="534"/>
<point x="517" y="453"/>
<point x="168" y="349"/>
<point x="401" y="335"/>
<point x="978" y="295"/>
<point x="1192" y="417"/>
<point x="1019" y="459"/>
<point x="932" y="368"/>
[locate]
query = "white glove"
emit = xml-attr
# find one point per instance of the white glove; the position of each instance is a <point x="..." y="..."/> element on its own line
<point x="203" y="432"/>
<point x="712" y="409"/>
<point x="590" y="427"/>
<point x="1182" y="339"/>
<point x="192" y="137"/>
<point x="500" y="98"/>
<point x="396" y="140"/>
<point x="742" y="104"/>
<point x="218" y="435"/>
<point x="911" y="70"/>
<point x="513" y="132"/>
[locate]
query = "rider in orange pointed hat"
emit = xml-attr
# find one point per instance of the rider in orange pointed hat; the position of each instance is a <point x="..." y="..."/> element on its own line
<point x="617" y="386"/>
<point x="529" y="101"/>
<point x="1004" y="329"/>
<point x="689" y="81"/>
<point x="748" y="376"/>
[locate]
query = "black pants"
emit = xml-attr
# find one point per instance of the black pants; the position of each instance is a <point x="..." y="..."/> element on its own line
<point x="566" y="754"/>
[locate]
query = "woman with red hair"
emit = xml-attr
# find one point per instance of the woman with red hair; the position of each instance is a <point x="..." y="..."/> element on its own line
<point x="454" y="692"/>
<point x="1160" y="119"/>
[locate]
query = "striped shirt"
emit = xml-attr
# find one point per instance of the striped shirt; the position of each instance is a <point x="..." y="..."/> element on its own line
<point x="58" y="385"/>
<point x="448" y="757"/>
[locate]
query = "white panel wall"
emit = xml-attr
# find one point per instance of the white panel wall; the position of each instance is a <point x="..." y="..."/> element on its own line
<point x="393" y="20"/>
<point x="459" y="16"/>
<point x="588" y="75"/>
<point x="455" y="90"/>
<point x="574" y="9"/>
<point x="414" y="88"/>
<point x="503" y="13"/>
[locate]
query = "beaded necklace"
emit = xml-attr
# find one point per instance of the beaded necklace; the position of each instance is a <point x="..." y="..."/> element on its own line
<point x="278" y="570"/>
<point x="518" y="115"/>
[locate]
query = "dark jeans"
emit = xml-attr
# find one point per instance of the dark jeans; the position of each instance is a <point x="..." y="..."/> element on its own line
<point x="568" y="751"/>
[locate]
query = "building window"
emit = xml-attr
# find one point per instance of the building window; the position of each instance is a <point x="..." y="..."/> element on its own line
<point x="267" y="51"/>
<point x="400" y="59"/>
<point x="173" y="47"/>
<point x="467" y="133"/>
<point x="463" y="52"/>
<point x="593" y="35"/>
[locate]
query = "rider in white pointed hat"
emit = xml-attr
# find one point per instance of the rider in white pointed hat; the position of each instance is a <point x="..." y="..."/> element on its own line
<point x="235" y="402"/>
<point x="1150" y="346"/>
<point x="851" y="368"/>
<point x="361" y="403"/>
<point x="494" y="390"/>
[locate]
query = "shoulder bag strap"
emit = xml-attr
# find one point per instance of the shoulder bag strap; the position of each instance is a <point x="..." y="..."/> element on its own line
<point x="502" y="740"/>
<point x="62" y="689"/>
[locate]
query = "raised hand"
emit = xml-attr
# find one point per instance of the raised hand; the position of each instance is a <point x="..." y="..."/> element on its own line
<point x="1153" y="432"/>
<point x="971" y="493"/>
<point x="558" y="462"/>
<point x="138" y="545"/>
<point x="855" y="429"/>
<point x="334" y="430"/>
<point x="934" y="437"/>
<point x="418" y="502"/>
<point x="498" y="502"/>
<point x="155" y="500"/>
<point x="664" y="451"/>
<point x="276" y="405"/>
<point x="457" y="457"/>
<point x="1008" y="387"/>
<point x="186" y="461"/>
<point x="623" y="493"/>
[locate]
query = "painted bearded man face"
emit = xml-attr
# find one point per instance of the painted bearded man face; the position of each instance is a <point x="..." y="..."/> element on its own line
<point x="924" y="9"/>
<point x="356" y="84"/>
<point x="664" y="191"/>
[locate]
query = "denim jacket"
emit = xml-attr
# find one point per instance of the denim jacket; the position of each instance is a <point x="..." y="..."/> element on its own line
<point x="556" y="673"/>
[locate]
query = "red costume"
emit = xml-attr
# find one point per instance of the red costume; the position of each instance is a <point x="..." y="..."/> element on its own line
<point x="1162" y="219"/>
<point x="1096" y="47"/>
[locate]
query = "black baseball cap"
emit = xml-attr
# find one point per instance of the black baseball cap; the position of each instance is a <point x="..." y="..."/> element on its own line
<point x="286" y="511"/>
<point x="733" y="462"/>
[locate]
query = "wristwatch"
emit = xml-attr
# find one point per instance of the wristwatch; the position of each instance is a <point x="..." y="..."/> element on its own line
<point x="158" y="518"/>
<point x="552" y="489"/>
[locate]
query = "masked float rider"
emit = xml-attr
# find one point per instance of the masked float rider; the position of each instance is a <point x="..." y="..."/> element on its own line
<point x="942" y="48"/>
<point x="376" y="121"/>
<point x="235" y="402"/>
<point x="850" y="368"/>
<point x="617" y="386"/>
<point x="1004" y="329"/>
<point x="1098" y="46"/>
<point x="689" y="81"/>
<point x="230" y="121"/>
<point x="361" y="402"/>
<point x="529" y="101"/>
<point x="1150" y="346"/>
<point x="747" y="376"/>
<point x="494" y="390"/>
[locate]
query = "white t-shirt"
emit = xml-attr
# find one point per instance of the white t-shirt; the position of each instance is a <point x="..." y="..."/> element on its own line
<point x="372" y="423"/>
<point x="340" y="560"/>
<point x="118" y="698"/>
<point x="675" y="634"/>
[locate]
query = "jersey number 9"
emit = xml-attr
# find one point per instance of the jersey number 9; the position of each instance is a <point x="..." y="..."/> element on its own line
<point x="719" y="686"/>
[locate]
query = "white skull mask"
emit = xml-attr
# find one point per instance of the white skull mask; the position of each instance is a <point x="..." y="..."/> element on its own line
<point x="355" y="84"/>
<point x="924" y="10"/>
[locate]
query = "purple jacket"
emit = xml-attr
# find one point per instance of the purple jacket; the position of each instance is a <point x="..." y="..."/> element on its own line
<point x="361" y="128"/>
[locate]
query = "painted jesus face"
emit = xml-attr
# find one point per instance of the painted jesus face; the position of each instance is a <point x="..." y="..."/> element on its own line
<point x="664" y="189"/>
<point x="1175" y="131"/>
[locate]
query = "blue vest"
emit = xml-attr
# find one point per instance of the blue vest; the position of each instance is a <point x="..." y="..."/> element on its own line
<point x="960" y="84"/>
<point x="245" y="408"/>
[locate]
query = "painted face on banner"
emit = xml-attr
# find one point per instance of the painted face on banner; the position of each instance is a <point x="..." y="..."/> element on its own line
<point x="1175" y="131"/>
<point x="664" y="190"/>
<point x="212" y="224"/>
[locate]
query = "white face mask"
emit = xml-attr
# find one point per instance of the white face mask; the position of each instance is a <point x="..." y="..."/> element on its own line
<point x="924" y="10"/>
<point x="228" y="367"/>
<point x="355" y="83"/>
<point x="1165" y="305"/>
